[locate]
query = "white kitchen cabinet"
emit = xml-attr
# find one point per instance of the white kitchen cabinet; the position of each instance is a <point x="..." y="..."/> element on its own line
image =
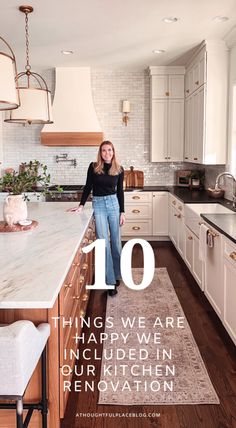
<point x="176" y="223"/>
<point x="160" y="214"/>
<point x="167" y="130"/>
<point x="214" y="289"/>
<point x="138" y="208"/>
<point x="229" y="285"/>
<point x="167" y="113"/>
<point x="206" y="125"/>
<point x="188" y="242"/>
<point x="159" y="130"/>
<point x="167" y="86"/>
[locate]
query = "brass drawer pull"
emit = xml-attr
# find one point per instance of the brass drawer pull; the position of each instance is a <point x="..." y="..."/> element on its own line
<point x="175" y="215"/>
<point x="178" y="215"/>
<point x="180" y="208"/>
<point x="76" y="297"/>
<point x="174" y="202"/>
<point x="197" y="82"/>
<point x="190" y="238"/>
<point x="82" y="312"/>
<point x="136" y="211"/>
<point x="68" y="285"/>
<point x="195" y="158"/>
<point x="135" y="197"/>
<point x="136" y="228"/>
<point x="186" y="157"/>
<point x="167" y="94"/>
<point x="85" y="297"/>
<point x="187" y="90"/>
<point x="233" y="255"/>
<point x="81" y="279"/>
<point x="66" y="370"/>
<point x="85" y="266"/>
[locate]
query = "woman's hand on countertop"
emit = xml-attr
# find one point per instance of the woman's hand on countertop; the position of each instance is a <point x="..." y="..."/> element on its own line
<point x="76" y="209"/>
<point x="122" y="219"/>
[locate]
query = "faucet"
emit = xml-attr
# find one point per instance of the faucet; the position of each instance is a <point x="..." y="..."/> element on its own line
<point x="227" y="174"/>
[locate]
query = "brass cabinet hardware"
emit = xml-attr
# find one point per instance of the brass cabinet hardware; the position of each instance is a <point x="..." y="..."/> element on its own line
<point x="178" y="215"/>
<point x="82" y="312"/>
<point x="180" y="208"/>
<point x="135" y="197"/>
<point x="186" y="157"/>
<point x="197" y="82"/>
<point x="135" y="211"/>
<point x="233" y="255"/>
<point x="190" y="238"/>
<point x="175" y="215"/>
<point x="167" y="94"/>
<point x="174" y="202"/>
<point x="213" y="234"/>
<point x="166" y="157"/>
<point x="85" y="297"/>
<point x="187" y="90"/>
<point x="81" y="279"/>
<point x="69" y="285"/>
<point x="136" y="228"/>
<point x="195" y="158"/>
<point x="85" y="266"/>
<point x="66" y="370"/>
<point x="76" y="297"/>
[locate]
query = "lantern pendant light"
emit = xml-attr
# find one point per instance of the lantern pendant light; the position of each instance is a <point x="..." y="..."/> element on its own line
<point x="9" y="93"/>
<point x="35" y="98"/>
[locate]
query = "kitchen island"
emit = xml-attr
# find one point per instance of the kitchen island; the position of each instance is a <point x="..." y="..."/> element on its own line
<point x="43" y="275"/>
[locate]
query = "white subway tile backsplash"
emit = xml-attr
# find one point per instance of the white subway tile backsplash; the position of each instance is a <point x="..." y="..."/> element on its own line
<point x="132" y="142"/>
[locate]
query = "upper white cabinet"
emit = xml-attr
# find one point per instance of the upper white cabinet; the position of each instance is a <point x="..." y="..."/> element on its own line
<point x="167" y="113"/>
<point x="206" y="104"/>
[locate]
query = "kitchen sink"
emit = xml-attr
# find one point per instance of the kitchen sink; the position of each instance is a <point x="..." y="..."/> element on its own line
<point x="207" y="209"/>
<point x="193" y="211"/>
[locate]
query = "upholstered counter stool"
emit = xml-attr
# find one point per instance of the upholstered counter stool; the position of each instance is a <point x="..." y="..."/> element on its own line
<point x="21" y="346"/>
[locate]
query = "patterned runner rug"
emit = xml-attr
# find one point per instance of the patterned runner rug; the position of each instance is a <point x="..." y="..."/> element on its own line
<point x="153" y="358"/>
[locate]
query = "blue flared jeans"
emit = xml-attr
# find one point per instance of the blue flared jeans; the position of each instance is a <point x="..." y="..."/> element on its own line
<point x="107" y="222"/>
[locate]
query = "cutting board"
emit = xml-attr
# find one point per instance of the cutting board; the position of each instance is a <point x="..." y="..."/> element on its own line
<point x="133" y="178"/>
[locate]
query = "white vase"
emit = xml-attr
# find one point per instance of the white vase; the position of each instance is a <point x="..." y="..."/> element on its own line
<point x="14" y="209"/>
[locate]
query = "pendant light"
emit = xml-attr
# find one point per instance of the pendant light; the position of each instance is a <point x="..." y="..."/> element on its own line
<point x="35" y="98"/>
<point x="9" y="93"/>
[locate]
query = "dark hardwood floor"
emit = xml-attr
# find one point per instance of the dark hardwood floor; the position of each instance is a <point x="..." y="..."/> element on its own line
<point x="217" y="350"/>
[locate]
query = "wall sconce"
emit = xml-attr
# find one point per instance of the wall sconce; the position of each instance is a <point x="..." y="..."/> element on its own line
<point x="125" y="111"/>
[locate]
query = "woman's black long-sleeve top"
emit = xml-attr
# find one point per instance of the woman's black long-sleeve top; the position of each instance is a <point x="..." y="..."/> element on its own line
<point x="104" y="184"/>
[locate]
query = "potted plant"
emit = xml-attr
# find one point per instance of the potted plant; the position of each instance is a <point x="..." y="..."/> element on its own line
<point x="17" y="183"/>
<point x="197" y="177"/>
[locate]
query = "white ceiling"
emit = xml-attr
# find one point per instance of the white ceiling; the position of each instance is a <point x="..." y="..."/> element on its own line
<point x="112" y="34"/>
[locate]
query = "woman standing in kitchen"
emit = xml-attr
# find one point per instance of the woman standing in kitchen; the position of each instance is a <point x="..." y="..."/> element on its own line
<point x="105" y="179"/>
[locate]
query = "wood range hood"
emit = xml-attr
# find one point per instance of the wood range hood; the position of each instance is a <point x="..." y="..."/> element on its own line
<point x="75" y="122"/>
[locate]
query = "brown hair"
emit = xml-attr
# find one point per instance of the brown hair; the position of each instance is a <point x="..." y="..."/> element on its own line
<point x="98" y="166"/>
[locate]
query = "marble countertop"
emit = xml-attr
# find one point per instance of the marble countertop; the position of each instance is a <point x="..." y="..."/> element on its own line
<point x="224" y="223"/>
<point x="34" y="264"/>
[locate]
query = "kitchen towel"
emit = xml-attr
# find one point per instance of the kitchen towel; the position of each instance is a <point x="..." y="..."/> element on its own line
<point x="203" y="242"/>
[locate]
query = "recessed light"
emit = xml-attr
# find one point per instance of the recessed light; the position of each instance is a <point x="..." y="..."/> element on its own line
<point x="158" y="51"/>
<point x="67" y="52"/>
<point x="170" y="19"/>
<point x="220" y="18"/>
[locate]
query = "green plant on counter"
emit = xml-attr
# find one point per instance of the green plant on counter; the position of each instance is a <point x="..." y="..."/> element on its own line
<point x="26" y="180"/>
